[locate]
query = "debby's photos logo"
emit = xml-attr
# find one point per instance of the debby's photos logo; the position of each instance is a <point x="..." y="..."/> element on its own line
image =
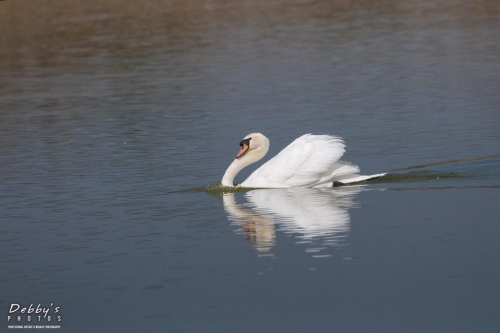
<point x="34" y="316"/>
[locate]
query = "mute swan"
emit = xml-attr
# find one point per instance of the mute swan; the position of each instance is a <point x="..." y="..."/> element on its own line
<point x="309" y="161"/>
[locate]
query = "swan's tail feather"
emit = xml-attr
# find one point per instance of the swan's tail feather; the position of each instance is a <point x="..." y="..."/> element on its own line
<point x="342" y="173"/>
<point x="357" y="178"/>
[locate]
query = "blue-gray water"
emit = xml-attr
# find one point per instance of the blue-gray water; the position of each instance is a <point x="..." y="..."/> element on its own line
<point x="115" y="115"/>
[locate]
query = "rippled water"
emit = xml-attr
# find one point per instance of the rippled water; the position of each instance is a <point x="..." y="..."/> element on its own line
<point x="115" y="116"/>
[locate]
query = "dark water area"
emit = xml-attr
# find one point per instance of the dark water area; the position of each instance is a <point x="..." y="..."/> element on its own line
<point x="115" y="116"/>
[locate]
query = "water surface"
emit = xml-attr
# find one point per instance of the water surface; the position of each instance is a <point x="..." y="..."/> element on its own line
<point x="115" y="116"/>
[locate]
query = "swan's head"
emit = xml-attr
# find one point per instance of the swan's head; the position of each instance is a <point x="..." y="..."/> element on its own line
<point x="255" y="145"/>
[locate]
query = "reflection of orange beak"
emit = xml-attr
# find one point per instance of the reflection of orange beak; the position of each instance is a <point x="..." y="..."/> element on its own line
<point x="243" y="150"/>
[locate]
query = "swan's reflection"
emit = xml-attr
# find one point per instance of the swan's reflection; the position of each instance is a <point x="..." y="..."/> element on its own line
<point x="318" y="217"/>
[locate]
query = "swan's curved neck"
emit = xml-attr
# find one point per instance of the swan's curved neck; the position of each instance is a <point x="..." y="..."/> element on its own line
<point x="239" y="163"/>
<point x="232" y="171"/>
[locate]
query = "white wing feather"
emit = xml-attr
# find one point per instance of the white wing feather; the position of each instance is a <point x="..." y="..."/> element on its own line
<point x="309" y="161"/>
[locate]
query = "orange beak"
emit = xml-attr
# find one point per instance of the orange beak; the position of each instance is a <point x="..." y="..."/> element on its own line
<point x="243" y="150"/>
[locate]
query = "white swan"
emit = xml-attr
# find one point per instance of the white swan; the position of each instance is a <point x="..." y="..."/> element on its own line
<point x="309" y="161"/>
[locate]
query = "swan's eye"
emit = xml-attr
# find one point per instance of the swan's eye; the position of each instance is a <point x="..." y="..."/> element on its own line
<point x="245" y="141"/>
<point x="245" y="146"/>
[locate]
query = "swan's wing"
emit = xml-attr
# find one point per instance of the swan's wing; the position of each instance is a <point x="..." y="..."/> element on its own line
<point x="310" y="160"/>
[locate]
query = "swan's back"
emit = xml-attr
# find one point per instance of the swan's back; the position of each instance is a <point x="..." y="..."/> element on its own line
<point x="309" y="161"/>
